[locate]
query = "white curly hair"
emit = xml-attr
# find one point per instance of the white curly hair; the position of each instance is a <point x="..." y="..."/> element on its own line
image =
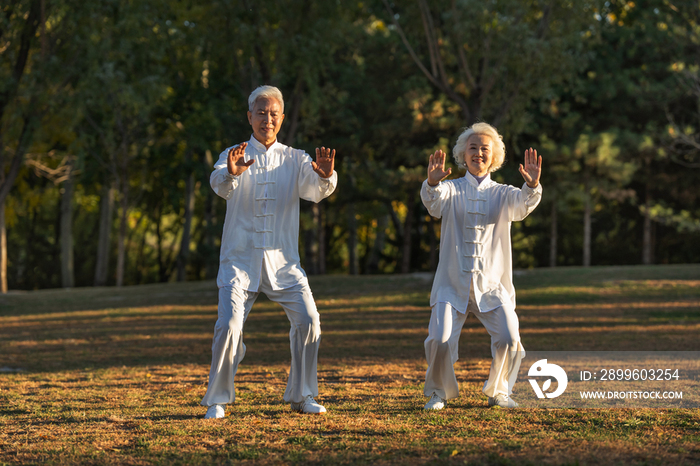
<point x="499" y="149"/>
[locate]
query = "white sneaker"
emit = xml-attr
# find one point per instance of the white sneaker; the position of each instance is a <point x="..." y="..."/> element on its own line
<point x="503" y="401"/>
<point x="434" y="403"/>
<point x="308" y="406"/>
<point x="215" y="412"/>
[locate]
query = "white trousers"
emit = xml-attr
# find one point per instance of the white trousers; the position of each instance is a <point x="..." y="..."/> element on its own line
<point x="228" y="349"/>
<point x="441" y="349"/>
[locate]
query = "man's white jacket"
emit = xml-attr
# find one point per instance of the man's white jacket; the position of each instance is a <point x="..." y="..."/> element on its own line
<point x="262" y="214"/>
<point x="475" y="242"/>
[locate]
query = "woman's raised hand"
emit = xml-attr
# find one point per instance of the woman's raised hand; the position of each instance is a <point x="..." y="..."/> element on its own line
<point x="532" y="169"/>
<point x="436" y="168"/>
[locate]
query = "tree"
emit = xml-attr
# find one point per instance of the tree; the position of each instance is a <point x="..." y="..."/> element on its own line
<point x="21" y="20"/>
<point x="37" y="77"/>
<point x="493" y="59"/>
<point x="121" y="88"/>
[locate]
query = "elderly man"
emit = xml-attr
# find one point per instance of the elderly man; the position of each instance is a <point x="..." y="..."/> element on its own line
<point x="262" y="181"/>
<point x="475" y="269"/>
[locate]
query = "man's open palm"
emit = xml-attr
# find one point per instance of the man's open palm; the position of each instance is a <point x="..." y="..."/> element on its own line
<point x="325" y="161"/>
<point x="235" y="162"/>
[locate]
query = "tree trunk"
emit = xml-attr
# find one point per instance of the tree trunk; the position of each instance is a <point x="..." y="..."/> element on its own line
<point x="7" y="180"/>
<point x="162" y="267"/>
<point x="646" y="241"/>
<point x="372" y="264"/>
<point x="587" y="231"/>
<point x="553" y="237"/>
<point x="9" y="92"/>
<point x="67" y="267"/>
<point x="121" y="247"/>
<point x="407" y="229"/>
<point x="354" y="263"/>
<point x="211" y="254"/>
<point x="3" y="250"/>
<point x="353" y="260"/>
<point x="395" y="219"/>
<point x="104" y="234"/>
<point x="310" y="251"/>
<point x="293" y="110"/>
<point x="311" y="244"/>
<point x="434" y="245"/>
<point x="321" y="266"/>
<point x="186" y="229"/>
<point x="141" y="260"/>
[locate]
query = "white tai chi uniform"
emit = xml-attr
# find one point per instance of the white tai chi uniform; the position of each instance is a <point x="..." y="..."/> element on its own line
<point x="260" y="253"/>
<point x="475" y="274"/>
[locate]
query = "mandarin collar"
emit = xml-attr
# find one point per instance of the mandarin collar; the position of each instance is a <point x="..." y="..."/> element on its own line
<point x="473" y="181"/>
<point x="257" y="145"/>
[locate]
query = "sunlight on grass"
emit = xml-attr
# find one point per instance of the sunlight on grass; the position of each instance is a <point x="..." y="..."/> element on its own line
<point x="116" y="375"/>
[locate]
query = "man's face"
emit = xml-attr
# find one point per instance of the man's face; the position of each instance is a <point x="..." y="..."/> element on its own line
<point x="479" y="156"/>
<point x="266" y="120"/>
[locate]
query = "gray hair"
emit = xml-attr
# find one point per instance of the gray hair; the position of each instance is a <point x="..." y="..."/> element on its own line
<point x="268" y="92"/>
<point x="499" y="149"/>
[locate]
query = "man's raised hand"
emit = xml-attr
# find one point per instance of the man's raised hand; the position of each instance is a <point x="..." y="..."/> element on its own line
<point x="235" y="163"/>
<point x="436" y="168"/>
<point x="533" y="168"/>
<point x="325" y="161"/>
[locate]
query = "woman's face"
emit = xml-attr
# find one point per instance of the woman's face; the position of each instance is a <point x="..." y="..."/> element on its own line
<point x="479" y="156"/>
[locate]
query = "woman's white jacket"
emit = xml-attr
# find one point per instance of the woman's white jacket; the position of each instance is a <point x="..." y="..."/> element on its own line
<point x="475" y="244"/>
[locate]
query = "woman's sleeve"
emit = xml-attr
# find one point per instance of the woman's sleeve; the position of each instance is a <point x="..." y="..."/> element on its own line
<point x="435" y="197"/>
<point x="523" y="201"/>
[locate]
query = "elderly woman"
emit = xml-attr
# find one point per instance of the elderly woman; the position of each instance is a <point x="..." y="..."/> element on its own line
<point x="475" y="269"/>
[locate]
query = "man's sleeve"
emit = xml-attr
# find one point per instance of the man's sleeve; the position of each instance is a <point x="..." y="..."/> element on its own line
<point x="221" y="181"/>
<point x="311" y="186"/>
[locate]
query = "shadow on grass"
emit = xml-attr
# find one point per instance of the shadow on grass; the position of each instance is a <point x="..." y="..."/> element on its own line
<point x="137" y="345"/>
<point x="23" y="303"/>
<point x="175" y="417"/>
<point x="367" y="318"/>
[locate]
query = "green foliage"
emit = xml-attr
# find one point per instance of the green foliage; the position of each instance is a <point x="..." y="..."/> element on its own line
<point x="146" y="94"/>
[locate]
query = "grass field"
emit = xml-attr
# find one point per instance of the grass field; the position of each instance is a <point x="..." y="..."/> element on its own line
<point x="115" y="376"/>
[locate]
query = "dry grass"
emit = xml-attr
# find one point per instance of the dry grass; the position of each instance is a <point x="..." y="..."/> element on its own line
<point x="116" y="375"/>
